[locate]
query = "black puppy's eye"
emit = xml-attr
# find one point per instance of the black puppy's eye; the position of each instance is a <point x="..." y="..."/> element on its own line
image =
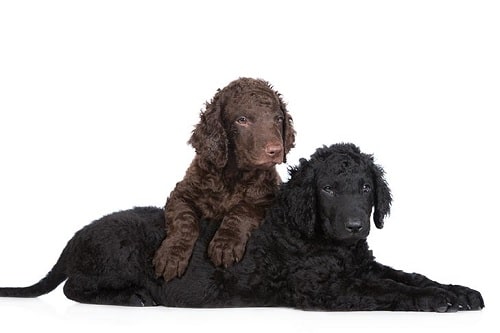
<point x="328" y="189"/>
<point x="242" y="120"/>
<point x="366" y="188"/>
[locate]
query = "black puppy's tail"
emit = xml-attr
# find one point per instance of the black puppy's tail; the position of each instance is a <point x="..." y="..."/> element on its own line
<point x="54" y="278"/>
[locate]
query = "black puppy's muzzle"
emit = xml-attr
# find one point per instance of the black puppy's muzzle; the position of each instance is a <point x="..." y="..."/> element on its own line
<point x="354" y="225"/>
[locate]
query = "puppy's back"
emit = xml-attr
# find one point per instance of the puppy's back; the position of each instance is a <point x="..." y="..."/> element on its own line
<point x="123" y="242"/>
<point x="117" y="247"/>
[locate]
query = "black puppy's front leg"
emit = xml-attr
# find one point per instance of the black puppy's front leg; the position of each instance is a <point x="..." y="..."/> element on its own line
<point x="378" y="288"/>
<point x="463" y="298"/>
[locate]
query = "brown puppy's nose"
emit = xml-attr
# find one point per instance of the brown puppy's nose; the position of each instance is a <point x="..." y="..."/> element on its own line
<point x="273" y="149"/>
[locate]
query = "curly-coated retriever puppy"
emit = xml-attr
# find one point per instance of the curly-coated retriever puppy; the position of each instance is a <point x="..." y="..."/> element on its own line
<point x="243" y="133"/>
<point x="310" y="253"/>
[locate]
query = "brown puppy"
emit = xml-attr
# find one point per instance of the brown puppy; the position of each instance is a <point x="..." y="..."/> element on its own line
<point x="243" y="133"/>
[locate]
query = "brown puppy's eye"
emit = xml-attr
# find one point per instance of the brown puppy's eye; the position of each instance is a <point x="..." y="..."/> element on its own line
<point x="242" y="120"/>
<point x="279" y="120"/>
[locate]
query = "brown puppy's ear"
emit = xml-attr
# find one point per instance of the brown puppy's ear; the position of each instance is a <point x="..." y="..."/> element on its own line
<point x="288" y="130"/>
<point x="209" y="137"/>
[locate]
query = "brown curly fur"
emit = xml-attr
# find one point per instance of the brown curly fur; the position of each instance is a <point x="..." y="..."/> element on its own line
<point x="243" y="133"/>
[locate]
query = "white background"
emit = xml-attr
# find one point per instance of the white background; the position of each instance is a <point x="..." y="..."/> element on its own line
<point x="98" y="100"/>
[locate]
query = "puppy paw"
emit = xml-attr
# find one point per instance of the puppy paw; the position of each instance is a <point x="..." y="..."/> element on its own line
<point x="224" y="251"/>
<point x="142" y="298"/>
<point x="449" y="298"/>
<point x="172" y="259"/>
<point x="467" y="298"/>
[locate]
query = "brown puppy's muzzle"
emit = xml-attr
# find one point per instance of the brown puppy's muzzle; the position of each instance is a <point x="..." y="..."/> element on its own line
<point x="274" y="152"/>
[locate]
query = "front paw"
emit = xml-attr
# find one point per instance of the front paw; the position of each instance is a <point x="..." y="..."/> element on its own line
<point x="224" y="251"/>
<point x="172" y="259"/>
<point x="467" y="298"/>
<point x="449" y="298"/>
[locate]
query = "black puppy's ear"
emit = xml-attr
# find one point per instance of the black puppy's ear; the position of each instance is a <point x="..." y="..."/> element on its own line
<point x="299" y="198"/>
<point x="209" y="137"/>
<point x="288" y="130"/>
<point x="383" y="197"/>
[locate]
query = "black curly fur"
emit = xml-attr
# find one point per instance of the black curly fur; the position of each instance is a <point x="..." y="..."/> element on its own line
<point x="310" y="253"/>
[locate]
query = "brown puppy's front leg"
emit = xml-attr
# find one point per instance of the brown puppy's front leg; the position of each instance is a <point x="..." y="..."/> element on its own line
<point x="229" y="242"/>
<point x="172" y="258"/>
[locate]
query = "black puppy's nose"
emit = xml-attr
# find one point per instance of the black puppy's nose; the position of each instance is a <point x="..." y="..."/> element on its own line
<point x="354" y="226"/>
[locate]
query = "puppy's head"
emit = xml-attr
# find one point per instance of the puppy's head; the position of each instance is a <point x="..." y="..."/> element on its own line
<point x="246" y="123"/>
<point x="333" y="194"/>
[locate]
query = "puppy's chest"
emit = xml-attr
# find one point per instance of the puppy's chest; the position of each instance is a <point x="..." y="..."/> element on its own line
<point x="217" y="196"/>
<point x="333" y="261"/>
<point x="222" y="200"/>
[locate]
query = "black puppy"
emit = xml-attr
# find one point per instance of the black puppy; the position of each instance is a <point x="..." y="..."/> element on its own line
<point x="310" y="253"/>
